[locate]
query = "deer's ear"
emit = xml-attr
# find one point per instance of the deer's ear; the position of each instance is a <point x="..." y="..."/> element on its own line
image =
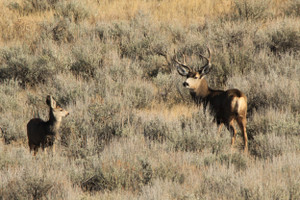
<point x="50" y="101"/>
<point x="182" y="71"/>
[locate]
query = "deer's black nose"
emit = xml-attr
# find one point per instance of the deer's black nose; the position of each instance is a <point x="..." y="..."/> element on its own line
<point x="185" y="84"/>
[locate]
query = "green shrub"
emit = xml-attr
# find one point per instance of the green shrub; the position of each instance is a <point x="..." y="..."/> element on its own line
<point x="251" y="192"/>
<point x="216" y="187"/>
<point x="178" y="33"/>
<point x="33" y="184"/>
<point x="274" y="121"/>
<point x="81" y="67"/>
<point x="186" y="134"/>
<point x="237" y="160"/>
<point x="292" y="8"/>
<point x="284" y="37"/>
<point x="73" y="11"/>
<point x="113" y="31"/>
<point x="13" y="128"/>
<point x="13" y="112"/>
<point x="84" y="68"/>
<point x="233" y="51"/>
<point x="264" y="93"/>
<point x="170" y="89"/>
<point x="118" y="170"/>
<point x="109" y="120"/>
<point x="230" y="34"/>
<point x="32" y="6"/>
<point x="197" y="134"/>
<point x="18" y="64"/>
<point x="155" y="130"/>
<point x="193" y="44"/>
<point x="62" y="32"/>
<point x="139" y="94"/>
<point x="280" y="36"/>
<point x="167" y="171"/>
<point x="251" y="9"/>
<point x="98" y="182"/>
<point x="266" y="146"/>
<point x="138" y="40"/>
<point x="152" y="65"/>
<point x="68" y="89"/>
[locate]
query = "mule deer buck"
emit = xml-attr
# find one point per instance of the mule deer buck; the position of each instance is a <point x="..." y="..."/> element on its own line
<point x="43" y="133"/>
<point x="226" y="106"/>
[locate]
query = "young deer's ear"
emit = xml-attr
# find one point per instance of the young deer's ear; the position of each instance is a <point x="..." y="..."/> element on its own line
<point x="50" y="101"/>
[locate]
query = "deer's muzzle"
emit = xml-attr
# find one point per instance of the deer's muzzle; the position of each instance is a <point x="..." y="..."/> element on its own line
<point x="185" y="84"/>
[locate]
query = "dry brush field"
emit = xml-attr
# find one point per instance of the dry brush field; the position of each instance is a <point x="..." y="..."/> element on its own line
<point x="133" y="131"/>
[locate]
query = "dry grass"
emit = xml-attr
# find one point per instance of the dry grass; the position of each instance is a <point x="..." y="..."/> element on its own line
<point x="17" y="27"/>
<point x="168" y="113"/>
<point x="164" y="11"/>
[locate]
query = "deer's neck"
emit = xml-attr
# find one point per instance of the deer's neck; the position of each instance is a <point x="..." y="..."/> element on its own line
<point x="54" y="123"/>
<point x="201" y="92"/>
<point x="204" y="94"/>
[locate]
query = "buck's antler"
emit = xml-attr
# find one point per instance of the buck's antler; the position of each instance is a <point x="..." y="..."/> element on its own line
<point x="182" y="64"/>
<point x="208" y="64"/>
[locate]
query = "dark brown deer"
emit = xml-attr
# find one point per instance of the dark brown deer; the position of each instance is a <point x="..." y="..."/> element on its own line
<point x="43" y="133"/>
<point x="226" y="106"/>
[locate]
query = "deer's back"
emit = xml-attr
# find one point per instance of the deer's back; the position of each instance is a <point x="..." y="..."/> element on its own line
<point x="36" y="131"/>
<point x="235" y="93"/>
<point x="227" y="104"/>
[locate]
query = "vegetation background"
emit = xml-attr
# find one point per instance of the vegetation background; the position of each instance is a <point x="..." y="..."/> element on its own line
<point x="133" y="131"/>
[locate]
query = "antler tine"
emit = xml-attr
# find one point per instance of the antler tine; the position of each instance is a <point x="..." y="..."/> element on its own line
<point x="182" y="64"/>
<point x="184" y="60"/>
<point x="207" y="59"/>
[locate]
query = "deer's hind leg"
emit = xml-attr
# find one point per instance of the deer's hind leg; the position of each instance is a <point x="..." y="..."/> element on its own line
<point x="219" y="124"/>
<point x="231" y="128"/>
<point x="242" y="122"/>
